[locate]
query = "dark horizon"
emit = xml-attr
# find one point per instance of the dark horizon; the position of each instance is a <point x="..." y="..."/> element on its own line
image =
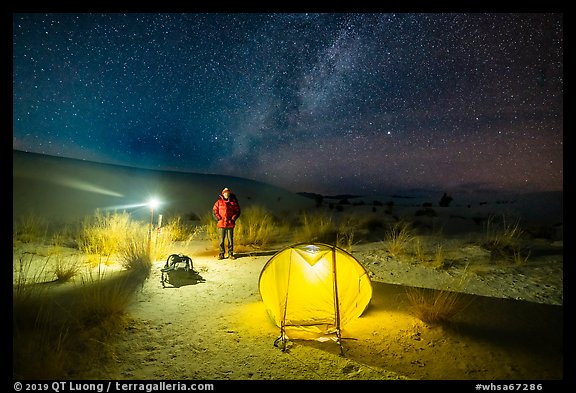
<point x="474" y="191"/>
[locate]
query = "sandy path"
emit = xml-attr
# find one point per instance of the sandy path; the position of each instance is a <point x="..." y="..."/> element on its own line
<point x="217" y="329"/>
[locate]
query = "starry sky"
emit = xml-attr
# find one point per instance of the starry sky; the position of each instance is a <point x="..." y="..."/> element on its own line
<point x="327" y="103"/>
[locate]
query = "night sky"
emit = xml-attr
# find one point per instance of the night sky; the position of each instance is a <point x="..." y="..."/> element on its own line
<point x="327" y="103"/>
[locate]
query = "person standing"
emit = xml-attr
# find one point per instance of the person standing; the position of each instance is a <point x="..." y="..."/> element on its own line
<point x="226" y="210"/>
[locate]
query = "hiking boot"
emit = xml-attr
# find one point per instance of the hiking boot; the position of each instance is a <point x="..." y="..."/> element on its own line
<point x="221" y="256"/>
<point x="232" y="256"/>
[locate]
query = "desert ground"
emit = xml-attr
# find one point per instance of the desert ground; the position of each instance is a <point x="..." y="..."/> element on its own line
<point x="509" y="328"/>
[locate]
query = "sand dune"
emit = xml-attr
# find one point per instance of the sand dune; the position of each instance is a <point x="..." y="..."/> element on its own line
<point x="67" y="190"/>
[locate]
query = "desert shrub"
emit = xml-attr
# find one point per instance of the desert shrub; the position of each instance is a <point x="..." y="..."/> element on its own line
<point x="162" y="240"/>
<point x="56" y="333"/>
<point x="108" y="234"/>
<point x="255" y="228"/>
<point x="520" y="258"/>
<point x="38" y="340"/>
<point x="372" y="224"/>
<point x="176" y="230"/>
<point x="65" y="269"/>
<point x="30" y="228"/>
<point x="433" y="306"/>
<point x="355" y="227"/>
<point x="439" y="259"/>
<point x="436" y="261"/>
<point x="26" y="279"/>
<point x="316" y="227"/>
<point x="103" y="298"/>
<point x="503" y="240"/>
<point x="208" y="223"/>
<point x="345" y="238"/>
<point x="64" y="237"/>
<point x="136" y="257"/>
<point x="398" y="236"/>
<point x="419" y="252"/>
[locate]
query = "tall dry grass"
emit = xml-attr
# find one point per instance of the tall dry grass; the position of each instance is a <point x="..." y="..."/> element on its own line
<point x="503" y="238"/>
<point x="257" y="228"/>
<point x="316" y="226"/>
<point x="30" y="228"/>
<point x="436" y="306"/>
<point x="59" y="330"/>
<point x="398" y="238"/>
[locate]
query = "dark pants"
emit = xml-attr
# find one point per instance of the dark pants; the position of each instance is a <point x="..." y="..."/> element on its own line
<point x="226" y="232"/>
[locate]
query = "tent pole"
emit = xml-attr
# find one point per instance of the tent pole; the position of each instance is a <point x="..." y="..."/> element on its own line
<point x="336" y="300"/>
<point x="282" y="328"/>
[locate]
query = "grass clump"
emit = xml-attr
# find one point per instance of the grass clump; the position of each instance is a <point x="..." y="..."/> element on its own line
<point x="30" y="228"/>
<point x="61" y="331"/>
<point x="104" y="233"/>
<point x="316" y="227"/>
<point x="439" y="260"/>
<point x="176" y="230"/>
<point x="504" y="240"/>
<point x="256" y="228"/>
<point x="136" y="257"/>
<point x="66" y="271"/>
<point x="435" y="306"/>
<point x="398" y="236"/>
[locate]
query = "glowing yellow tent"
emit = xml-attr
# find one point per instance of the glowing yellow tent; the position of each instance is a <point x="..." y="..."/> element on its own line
<point x="311" y="290"/>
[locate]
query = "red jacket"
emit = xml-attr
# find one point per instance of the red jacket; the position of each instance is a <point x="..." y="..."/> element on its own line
<point x="226" y="211"/>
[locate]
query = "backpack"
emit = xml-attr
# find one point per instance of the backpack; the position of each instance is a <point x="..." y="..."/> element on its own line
<point x="179" y="270"/>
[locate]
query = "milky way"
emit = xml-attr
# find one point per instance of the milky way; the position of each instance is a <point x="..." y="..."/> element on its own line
<point x="329" y="103"/>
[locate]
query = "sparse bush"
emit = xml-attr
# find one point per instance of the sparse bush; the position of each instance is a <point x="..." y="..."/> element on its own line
<point x="104" y="298"/>
<point x="30" y="229"/>
<point x="439" y="261"/>
<point x="519" y="258"/>
<point x="106" y="234"/>
<point x="208" y="222"/>
<point x="255" y="228"/>
<point x="25" y="280"/>
<point x="175" y="230"/>
<point x="433" y="306"/>
<point x="419" y="252"/>
<point x="55" y="332"/>
<point x="372" y="224"/>
<point x="345" y="239"/>
<point x="503" y="240"/>
<point x="398" y="237"/>
<point x="38" y="340"/>
<point x="316" y="227"/>
<point x="65" y="271"/>
<point x="136" y="257"/>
